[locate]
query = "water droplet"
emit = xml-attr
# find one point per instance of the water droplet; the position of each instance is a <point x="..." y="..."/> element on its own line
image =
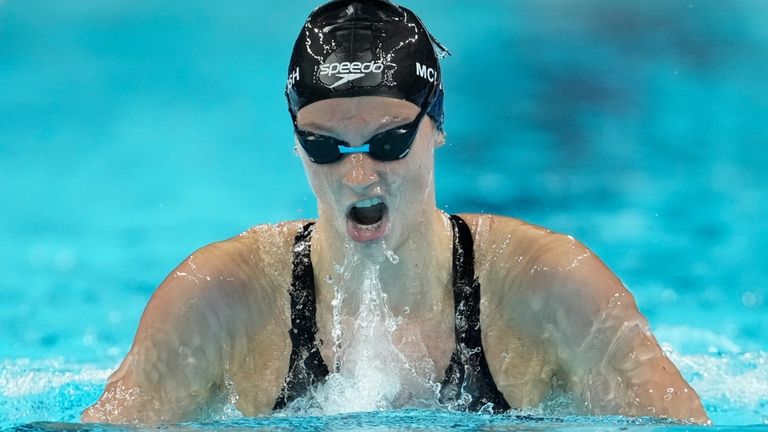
<point x="393" y="258"/>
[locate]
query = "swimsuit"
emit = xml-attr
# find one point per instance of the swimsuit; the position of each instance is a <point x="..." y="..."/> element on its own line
<point x="468" y="384"/>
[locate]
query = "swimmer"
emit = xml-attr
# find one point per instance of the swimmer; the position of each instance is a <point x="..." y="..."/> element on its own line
<point x="504" y="312"/>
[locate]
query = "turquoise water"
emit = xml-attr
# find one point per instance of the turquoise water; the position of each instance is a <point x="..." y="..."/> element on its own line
<point x="133" y="133"/>
<point x="416" y="420"/>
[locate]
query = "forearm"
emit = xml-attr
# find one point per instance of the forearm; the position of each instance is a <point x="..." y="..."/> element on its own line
<point x="170" y="375"/>
<point x="125" y="403"/>
<point x="633" y="377"/>
<point x="653" y="384"/>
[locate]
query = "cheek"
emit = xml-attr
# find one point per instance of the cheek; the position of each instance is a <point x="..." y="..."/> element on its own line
<point x="320" y="178"/>
<point x="423" y="161"/>
<point x="423" y="150"/>
<point x="416" y="172"/>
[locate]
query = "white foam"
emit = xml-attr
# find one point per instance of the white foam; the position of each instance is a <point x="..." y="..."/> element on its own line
<point x="22" y="377"/>
<point x="370" y="372"/>
<point x="731" y="380"/>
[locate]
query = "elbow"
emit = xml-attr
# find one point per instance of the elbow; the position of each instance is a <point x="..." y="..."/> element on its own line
<point x="687" y="413"/>
<point x="92" y="415"/>
<point x="689" y="409"/>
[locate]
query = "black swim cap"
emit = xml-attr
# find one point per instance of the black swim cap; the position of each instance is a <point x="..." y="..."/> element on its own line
<point x="365" y="48"/>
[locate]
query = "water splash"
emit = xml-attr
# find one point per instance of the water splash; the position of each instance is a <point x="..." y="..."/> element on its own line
<point x="391" y="256"/>
<point x="733" y="387"/>
<point x="50" y="389"/>
<point x="370" y="372"/>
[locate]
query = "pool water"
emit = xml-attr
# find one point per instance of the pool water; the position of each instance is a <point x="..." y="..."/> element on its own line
<point x="132" y="133"/>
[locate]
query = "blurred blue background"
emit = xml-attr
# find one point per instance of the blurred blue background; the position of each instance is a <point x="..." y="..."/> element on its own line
<point x="133" y="132"/>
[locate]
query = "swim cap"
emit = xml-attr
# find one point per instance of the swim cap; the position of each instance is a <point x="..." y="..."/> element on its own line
<point x="365" y="48"/>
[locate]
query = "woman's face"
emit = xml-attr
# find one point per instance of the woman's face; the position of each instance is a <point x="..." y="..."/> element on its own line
<point x="365" y="199"/>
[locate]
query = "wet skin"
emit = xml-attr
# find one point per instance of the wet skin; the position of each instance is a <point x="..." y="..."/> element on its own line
<point x="552" y="313"/>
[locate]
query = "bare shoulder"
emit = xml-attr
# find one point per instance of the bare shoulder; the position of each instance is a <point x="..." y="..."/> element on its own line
<point x="510" y="248"/>
<point x="246" y="266"/>
<point x="559" y="293"/>
<point x="505" y="235"/>
<point x="231" y="285"/>
<point x="261" y="255"/>
<point x="198" y="320"/>
<point x="537" y="273"/>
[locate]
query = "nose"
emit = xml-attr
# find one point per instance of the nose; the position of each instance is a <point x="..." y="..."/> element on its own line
<point x="359" y="171"/>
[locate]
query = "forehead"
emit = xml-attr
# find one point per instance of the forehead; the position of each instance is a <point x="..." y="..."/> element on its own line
<point x="362" y="109"/>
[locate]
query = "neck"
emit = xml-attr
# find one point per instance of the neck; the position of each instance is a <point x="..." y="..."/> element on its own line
<point x="413" y="273"/>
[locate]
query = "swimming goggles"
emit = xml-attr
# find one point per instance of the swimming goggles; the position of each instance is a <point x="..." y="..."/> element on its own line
<point x="389" y="145"/>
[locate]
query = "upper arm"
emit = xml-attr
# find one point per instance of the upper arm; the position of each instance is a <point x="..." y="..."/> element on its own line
<point x="608" y="357"/>
<point x="175" y="365"/>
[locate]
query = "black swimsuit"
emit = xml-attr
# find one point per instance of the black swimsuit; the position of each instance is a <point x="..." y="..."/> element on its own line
<point x="466" y="375"/>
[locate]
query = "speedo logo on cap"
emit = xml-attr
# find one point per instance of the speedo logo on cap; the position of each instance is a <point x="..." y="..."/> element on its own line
<point x="349" y="71"/>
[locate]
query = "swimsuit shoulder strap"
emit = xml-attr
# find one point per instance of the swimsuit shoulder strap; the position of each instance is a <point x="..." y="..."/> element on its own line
<point x="468" y="374"/>
<point x="307" y="366"/>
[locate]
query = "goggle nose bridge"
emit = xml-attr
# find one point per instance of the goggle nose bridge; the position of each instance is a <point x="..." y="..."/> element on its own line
<point x="365" y="148"/>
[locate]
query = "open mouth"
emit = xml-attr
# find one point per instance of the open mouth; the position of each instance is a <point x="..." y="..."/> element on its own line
<point x="367" y="219"/>
<point x="368" y="212"/>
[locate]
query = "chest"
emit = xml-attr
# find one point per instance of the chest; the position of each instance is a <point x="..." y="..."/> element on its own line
<point x="421" y="343"/>
<point x="415" y="348"/>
